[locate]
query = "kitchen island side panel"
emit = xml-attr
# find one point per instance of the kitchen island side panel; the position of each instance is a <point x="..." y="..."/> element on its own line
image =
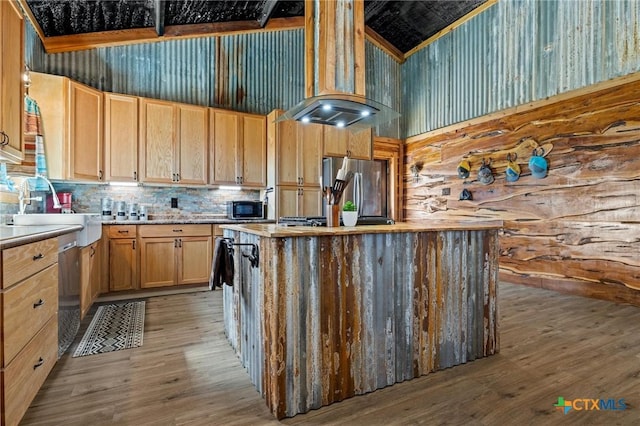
<point x="347" y="314"/>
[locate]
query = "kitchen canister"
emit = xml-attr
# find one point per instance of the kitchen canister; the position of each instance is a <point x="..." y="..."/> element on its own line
<point x="121" y="211"/>
<point x="133" y="211"/>
<point x="142" y="213"/>
<point x="107" y="205"/>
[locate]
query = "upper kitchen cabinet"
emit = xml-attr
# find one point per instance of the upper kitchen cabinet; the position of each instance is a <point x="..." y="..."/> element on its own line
<point x="173" y="142"/>
<point x="297" y="151"/>
<point x="11" y="84"/>
<point x="342" y="142"/>
<point x="120" y="137"/>
<point x="86" y="133"/>
<point x="72" y="116"/>
<point x="238" y="148"/>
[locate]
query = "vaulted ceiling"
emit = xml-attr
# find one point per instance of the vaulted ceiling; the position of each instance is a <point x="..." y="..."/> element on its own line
<point x="402" y="24"/>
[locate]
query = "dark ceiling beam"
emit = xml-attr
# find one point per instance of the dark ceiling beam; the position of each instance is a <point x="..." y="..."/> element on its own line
<point x="267" y="11"/>
<point x="159" y="8"/>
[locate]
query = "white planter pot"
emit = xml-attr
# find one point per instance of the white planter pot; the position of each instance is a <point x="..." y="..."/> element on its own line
<point x="349" y="218"/>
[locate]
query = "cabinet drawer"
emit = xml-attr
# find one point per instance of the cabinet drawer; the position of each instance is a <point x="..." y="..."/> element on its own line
<point x="25" y="375"/>
<point x="183" y="230"/>
<point x="26" y="307"/>
<point x="122" y="231"/>
<point x="23" y="261"/>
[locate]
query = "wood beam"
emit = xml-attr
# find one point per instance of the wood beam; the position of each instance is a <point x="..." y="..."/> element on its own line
<point x="75" y="42"/>
<point x="159" y="9"/>
<point x="267" y="11"/>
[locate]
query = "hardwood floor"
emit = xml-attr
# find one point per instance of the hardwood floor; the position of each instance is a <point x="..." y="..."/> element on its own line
<point x="186" y="374"/>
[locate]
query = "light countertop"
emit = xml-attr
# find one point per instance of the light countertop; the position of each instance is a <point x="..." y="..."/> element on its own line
<point x="282" y="231"/>
<point x="12" y="235"/>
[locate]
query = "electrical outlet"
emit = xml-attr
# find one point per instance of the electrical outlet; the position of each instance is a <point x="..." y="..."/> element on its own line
<point x="174" y="203"/>
<point x="446" y="191"/>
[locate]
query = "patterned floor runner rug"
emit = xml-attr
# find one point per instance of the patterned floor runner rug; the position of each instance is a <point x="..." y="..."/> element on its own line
<point x="113" y="327"/>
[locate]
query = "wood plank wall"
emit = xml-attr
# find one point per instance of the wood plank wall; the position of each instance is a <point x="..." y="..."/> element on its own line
<point x="575" y="231"/>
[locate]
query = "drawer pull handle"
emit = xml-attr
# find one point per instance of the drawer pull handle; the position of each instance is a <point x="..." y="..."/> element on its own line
<point x="120" y="231"/>
<point x="38" y="256"/>
<point x="39" y="363"/>
<point x="38" y="304"/>
<point x="177" y="230"/>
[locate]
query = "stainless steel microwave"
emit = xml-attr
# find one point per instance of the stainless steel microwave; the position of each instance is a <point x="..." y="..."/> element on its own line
<point x="245" y="210"/>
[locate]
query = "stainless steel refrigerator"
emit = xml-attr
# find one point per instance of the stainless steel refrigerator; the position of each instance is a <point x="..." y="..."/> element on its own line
<point x="368" y="187"/>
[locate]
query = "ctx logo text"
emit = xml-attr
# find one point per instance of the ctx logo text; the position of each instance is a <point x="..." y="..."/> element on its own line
<point x="589" y="404"/>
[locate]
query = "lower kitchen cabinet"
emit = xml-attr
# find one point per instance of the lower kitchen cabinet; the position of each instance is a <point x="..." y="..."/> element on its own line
<point x="123" y="257"/>
<point x="174" y="254"/>
<point x="90" y="276"/>
<point x="29" y="321"/>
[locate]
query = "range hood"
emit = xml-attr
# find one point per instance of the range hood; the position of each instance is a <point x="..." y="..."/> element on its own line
<point x="341" y="110"/>
<point x="335" y="69"/>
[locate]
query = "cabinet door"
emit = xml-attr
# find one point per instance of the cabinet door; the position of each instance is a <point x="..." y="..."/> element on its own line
<point x="287" y="201"/>
<point x="123" y="264"/>
<point x="194" y="263"/>
<point x="85" y="280"/>
<point x="121" y="137"/>
<point x="86" y="132"/>
<point x="310" y="153"/>
<point x="157" y="136"/>
<point x="224" y="143"/>
<point x="158" y="262"/>
<point x="192" y="155"/>
<point x="341" y="142"/>
<point x="310" y="202"/>
<point x="11" y="86"/>
<point x="360" y="145"/>
<point x="336" y="141"/>
<point x="254" y="151"/>
<point x="288" y="155"/>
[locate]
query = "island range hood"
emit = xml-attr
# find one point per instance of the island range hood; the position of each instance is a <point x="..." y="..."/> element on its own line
<point x="341" y="110"/>
<point x="334" y="69"/>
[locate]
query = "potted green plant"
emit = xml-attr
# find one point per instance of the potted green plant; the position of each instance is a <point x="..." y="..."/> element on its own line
<point x="349" y="214"/>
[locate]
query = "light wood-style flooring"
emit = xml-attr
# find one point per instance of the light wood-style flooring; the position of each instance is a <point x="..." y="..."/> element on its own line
<point x="186" y="373"/>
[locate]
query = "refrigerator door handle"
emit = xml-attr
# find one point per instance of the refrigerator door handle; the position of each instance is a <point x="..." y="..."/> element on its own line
<point x="357" y="191"/>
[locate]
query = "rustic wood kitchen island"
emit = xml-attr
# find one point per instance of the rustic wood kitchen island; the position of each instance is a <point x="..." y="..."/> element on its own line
<point x="330" y="313"/>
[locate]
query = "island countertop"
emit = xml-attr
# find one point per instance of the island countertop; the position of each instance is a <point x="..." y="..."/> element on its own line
<point x="283" y="231"/>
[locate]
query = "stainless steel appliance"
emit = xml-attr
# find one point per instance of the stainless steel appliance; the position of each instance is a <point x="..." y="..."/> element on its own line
<point x="367" y="189"/>
<point x="247" y="209"/>
<point x="68" y="291"/>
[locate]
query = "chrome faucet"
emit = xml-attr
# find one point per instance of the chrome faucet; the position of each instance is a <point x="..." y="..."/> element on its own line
<point x="24" y="188"/>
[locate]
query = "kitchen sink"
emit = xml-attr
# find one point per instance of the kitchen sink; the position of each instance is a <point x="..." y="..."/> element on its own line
<point x="91" y="222"/>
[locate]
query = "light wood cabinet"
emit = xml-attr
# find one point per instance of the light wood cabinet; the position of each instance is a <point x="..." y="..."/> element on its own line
<point x="29" y="308"/>
<point x="86" y="124"/>
<point x="173" y="142"/>
<point x="295" y="153"/>
<point x="174" y="254"/>
<point x="90" y="276"/>
<point x="123" y="257"/>
<point x="296" y="201"/>
<point x="238" y="144"/>
<point x="120" y="137"/>
<point x="11" y="85"/>
<point x="342" y="142"/>
<point x="72" y="116"/>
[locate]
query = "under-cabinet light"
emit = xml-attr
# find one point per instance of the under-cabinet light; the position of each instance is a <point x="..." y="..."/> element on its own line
<point x="124" y="184"/>
<point x="230" y="188"/>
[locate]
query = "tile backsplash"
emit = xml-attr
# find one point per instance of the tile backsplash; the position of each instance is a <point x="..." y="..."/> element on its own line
<point x="87" y="198"/>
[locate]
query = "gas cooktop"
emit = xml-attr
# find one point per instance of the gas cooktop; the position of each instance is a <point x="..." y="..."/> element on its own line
<point x="322" y="221"/>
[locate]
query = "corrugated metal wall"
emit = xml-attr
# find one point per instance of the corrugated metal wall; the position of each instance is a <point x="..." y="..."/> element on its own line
<point x="384" y="85"/>
<point x="255" y="72"/>
<point x="516" y="52"/>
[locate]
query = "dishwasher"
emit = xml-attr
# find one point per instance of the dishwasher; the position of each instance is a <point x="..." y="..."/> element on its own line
<point x="68" y="291"/>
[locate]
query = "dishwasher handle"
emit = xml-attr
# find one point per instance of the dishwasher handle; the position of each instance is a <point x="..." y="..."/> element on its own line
<point x="68" y="246"/>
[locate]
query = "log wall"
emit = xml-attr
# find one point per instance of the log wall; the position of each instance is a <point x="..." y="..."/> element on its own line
<point x="578" y="229"/>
